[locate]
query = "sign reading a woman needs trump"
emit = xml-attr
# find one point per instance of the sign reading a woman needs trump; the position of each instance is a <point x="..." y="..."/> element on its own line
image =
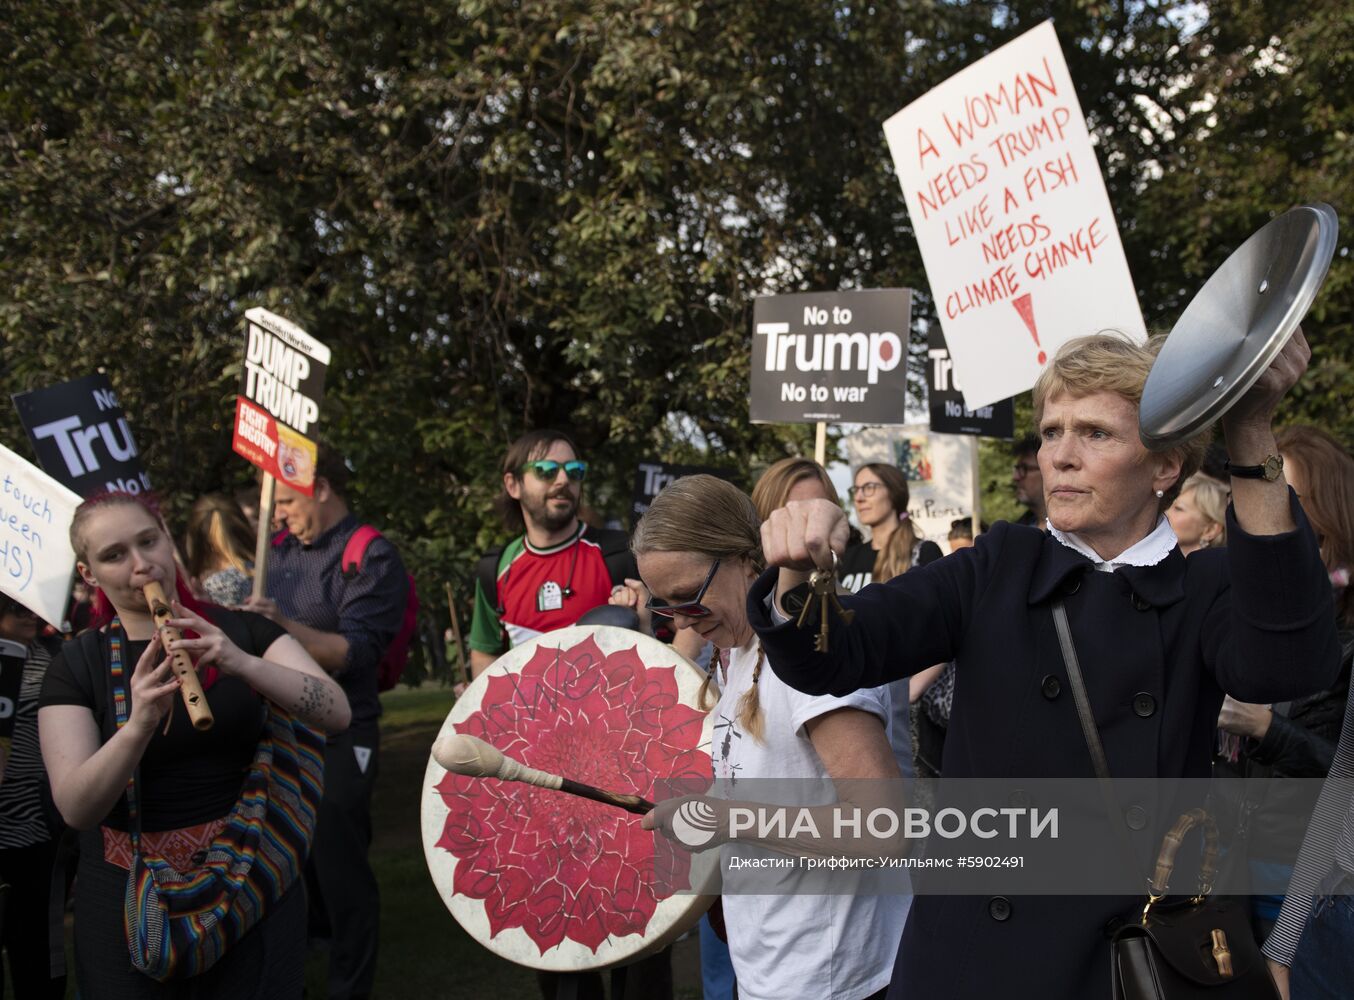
<point x="1012" y="217"/>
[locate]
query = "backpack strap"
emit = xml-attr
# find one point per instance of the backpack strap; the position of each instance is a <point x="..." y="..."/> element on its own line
<point x="486" y="573"/>
<point x="356" y="549"/>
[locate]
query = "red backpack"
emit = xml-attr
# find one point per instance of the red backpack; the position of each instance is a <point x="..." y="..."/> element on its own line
<point x="392" y="663"/>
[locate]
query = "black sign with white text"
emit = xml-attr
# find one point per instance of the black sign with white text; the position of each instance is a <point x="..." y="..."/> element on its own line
<point x="949" y="415"/>
<point x="835" y="357"/>
<point x="81" y="437"/>
<point x="651" y="477"/>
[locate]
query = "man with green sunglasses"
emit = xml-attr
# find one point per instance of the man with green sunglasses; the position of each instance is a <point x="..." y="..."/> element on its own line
<point x="558" y="568"/>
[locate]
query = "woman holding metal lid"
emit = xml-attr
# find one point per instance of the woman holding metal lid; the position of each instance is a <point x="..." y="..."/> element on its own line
<point x="1159" y="637"/>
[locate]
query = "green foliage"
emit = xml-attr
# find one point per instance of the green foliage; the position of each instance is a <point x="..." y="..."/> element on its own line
<point x="510" y="215"/>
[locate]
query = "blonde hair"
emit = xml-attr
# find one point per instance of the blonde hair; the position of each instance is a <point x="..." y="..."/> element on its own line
<point x="1110" y="362"/>
<point x="772" y="490"/>
<point x="218" y="535"/>
<point x="709" y="517"/>
<point x="1211" y="497"/>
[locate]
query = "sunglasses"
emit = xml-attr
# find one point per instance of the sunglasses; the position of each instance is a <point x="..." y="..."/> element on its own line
<point x="547" y="469"/>
<point x="691" y="609"/>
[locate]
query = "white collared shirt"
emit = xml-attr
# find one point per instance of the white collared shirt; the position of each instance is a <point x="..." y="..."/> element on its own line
<point x="1146" y="551"/>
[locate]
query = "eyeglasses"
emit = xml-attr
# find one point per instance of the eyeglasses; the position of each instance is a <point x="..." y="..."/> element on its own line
<point x="864" y="489"/>
<point x="692" y="609"/>
<point x="547" y="469"/>
<point x="1020" y="470"/>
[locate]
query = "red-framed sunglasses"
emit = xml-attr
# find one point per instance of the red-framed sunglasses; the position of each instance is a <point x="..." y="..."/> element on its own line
<point x="691" y="609"/>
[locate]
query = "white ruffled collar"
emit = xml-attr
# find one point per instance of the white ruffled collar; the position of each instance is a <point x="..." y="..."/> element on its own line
<point x="1147" y="551"/>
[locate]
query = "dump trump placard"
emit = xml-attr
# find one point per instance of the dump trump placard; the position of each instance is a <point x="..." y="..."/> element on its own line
<point x="279" y="401"/>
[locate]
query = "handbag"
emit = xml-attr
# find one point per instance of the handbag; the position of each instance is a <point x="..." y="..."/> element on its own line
<point x="1199" y="948"/>
<point x="180" y="923"/>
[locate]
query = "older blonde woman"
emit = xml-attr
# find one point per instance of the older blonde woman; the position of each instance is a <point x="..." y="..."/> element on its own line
<point x="1199" y="514"/>
<point x="1159" y="641"/>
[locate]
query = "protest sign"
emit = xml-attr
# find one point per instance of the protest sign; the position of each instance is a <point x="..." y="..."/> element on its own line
<point x="831" y="357"/>
<point x="1012" y="216"/>
<point x="652" y="476"/>
<point x="945" y="399"/>
<point x="81" y="437"/>
<point x="938" y="467"/>
<point x="279" y="401"/>
<point x="36" y="559"/>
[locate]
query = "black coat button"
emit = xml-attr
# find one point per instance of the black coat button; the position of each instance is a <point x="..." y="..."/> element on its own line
<point x="999" y="908"/>
<point x="1051" y="687"/>
<point x="1072" y="586"/>
<point x="1144" y="705"/>
<point x="1136" y="817"/>
<point x="1141" y="603"/>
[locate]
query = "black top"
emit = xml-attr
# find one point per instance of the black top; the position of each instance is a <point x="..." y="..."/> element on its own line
<point x="855" y="569"/>
<point x="187" y="777"/>
<point x="1158" y="646"/>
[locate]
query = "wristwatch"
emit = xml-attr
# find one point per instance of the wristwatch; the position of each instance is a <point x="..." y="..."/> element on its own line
<point x="1268" y="470"/>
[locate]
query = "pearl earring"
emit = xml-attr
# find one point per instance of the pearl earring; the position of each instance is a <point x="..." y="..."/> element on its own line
<point x="1160" y="494"/>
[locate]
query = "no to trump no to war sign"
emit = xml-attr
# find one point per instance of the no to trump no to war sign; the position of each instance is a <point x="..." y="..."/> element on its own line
<point x="81" y="436"/>
<point x="279" y="401"/>
<point x="831" y="356"/>
<point x="1010" y="210"/>
<point x="36" y="559"/>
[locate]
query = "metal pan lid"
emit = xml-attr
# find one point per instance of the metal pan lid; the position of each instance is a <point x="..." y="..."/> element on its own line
<point x="1236" y="325"/>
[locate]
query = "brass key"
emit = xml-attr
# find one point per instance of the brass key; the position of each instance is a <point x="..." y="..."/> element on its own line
<point x="824" y="585"/>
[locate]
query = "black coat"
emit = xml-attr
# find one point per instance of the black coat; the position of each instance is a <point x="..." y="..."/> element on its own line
<point x="1157" y="645"/>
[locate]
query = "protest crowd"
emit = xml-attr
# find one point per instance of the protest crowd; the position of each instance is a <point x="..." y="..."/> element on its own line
<point x="715" y="738"/>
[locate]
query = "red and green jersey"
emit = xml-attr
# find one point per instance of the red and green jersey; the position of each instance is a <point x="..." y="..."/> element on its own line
<point x="538" y="590"/>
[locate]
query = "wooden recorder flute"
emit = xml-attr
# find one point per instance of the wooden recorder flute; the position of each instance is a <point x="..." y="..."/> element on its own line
<point x="190" y="686"/>
<point x="462" y="754"/>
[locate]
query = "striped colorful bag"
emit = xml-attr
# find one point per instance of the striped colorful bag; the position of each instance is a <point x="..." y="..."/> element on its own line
<point x="180" y="923"/>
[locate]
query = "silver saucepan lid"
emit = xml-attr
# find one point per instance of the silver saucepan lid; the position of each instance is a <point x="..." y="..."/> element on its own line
<point x="1236" y="325"/>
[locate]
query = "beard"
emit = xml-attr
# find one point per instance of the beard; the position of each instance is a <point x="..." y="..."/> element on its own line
<point x="540" y="512"/>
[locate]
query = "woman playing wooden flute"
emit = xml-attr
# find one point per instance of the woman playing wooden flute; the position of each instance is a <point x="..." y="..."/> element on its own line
<point x="187" y="781"/>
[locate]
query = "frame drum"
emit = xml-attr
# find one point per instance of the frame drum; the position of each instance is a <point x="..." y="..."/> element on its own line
<point x="550" y="880"/>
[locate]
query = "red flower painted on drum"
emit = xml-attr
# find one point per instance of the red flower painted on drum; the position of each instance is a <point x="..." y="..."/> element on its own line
<point x="552" y="864"/>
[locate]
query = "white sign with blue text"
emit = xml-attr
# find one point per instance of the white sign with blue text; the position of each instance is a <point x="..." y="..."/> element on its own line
<point x="36" y="559"/>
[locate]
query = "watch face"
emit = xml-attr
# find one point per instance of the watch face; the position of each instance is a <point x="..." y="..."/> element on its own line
<point x="1272" y="467"/>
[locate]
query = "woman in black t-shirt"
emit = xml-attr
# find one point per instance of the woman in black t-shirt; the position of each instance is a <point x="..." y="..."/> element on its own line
<point x="880" y="497"/>
<point x="187" y="781"/>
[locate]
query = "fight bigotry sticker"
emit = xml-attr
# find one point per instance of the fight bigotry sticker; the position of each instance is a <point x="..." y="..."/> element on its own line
<point x="279" y="451"/>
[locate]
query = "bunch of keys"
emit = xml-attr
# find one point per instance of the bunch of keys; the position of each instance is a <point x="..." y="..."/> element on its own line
<point x="824" y="585"/>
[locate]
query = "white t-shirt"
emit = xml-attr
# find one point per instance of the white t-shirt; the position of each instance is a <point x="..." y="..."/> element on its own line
<point x="833" y="947"/>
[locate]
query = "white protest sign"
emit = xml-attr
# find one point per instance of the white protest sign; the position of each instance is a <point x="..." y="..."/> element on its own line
<point x="938" y="467"/>
<point x="1012" y="216"/>
<point x="36" y="559"/>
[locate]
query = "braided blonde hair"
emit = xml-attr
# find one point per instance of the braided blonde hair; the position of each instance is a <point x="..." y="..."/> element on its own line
<point x="709" y="517"/>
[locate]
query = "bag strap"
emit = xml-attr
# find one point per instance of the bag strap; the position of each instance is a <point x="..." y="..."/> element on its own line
<point x="1090" y="732"/>
<point x="118" y="688"/>
<point x="356" y="549"/>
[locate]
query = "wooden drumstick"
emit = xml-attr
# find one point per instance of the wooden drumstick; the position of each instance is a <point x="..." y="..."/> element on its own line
<point x="466" y="755"/>
<point x="190" y="686"/>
